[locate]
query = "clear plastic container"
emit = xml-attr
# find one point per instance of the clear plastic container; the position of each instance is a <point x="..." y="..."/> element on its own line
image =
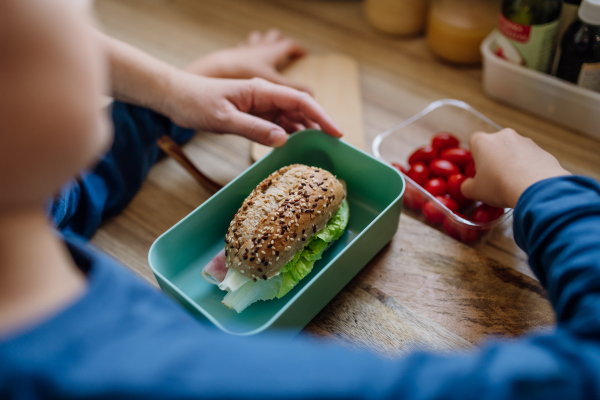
<point x="399" y="142"/>
<point x="541" y="94"/>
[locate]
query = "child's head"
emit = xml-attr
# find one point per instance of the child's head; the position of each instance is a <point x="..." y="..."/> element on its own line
<point x="52" y="73"/>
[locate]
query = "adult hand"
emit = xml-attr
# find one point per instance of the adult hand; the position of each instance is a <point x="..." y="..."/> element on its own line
<point x="507" y="164"/>
<point x="260" y="56"/>
<point x="248" y="108"/>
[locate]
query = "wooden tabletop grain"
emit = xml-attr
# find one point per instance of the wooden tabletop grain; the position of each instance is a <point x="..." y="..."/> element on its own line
<point x="424" y="289"/>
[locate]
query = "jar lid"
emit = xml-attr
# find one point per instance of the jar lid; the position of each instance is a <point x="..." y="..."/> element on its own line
<point x="589" y="12"/>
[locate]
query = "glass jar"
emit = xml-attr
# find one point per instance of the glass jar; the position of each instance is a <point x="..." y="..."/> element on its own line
<point x="397" y="17"/>
<point x="456" y="28"/>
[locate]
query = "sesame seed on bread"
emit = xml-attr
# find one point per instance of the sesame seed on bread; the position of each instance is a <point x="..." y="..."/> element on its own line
<point x="279" y="217"/>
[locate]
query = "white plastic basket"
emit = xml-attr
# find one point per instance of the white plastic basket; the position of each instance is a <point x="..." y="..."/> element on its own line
<point x="539" y="93"/>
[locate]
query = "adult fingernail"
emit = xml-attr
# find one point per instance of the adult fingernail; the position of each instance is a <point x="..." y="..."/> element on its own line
<point x="306" y="89"/>
<point x="277" y="138"/>
<point x="339" y="131"/>
<point x="337" y="128"/>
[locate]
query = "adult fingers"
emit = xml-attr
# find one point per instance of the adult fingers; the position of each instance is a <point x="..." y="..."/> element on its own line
<point x="301" y="119"/>
<point x="273" y="35"/>
<point x="256" y="129"/>
<point x="268" y="96"/>
<point x="290" y="126"/>
<point x="287" y="50"/>
<point x="254" y="37"/>
<point x="272" y="115"/>
<point x="275" y="77"/>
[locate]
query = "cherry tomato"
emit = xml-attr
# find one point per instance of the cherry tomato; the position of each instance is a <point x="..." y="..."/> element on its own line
<point x="413" y="199"/>
<point x="418" y="173"/>
<point x="451" y="228"/>
<point x="449" y="203"/>
<point x="399" y="167"/>
<point x="436" y="186"/>
<point x="433" y="212"/>
<point x="454" y="183"/>
<point x="425" y="155"/>
<point x="470" y="169"/>
<point x="444" y="140"/>
<point x="485" y="213"/>
<point x="460" y="232"/>
<point x="443" y="168"/>
<point x="457" y="156"/>
<point x="468" y="235"/>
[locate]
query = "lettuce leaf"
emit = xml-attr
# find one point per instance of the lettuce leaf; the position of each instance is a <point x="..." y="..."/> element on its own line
<point x="303" y="261"/>
<point x="336" y="225"/>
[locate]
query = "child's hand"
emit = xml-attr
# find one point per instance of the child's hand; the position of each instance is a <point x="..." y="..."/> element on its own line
<point x="248" y="108"/>
<point x="260" y="56"/>
<point x="506" y="165"/>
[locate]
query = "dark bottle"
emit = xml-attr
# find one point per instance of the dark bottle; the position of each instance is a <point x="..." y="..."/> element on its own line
<point x="580" y="48"/>
<point x="530" y="27"/>
<point x="567" y="17"/>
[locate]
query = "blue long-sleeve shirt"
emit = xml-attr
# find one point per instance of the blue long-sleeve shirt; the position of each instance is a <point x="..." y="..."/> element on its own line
<point x="124" y="339"/>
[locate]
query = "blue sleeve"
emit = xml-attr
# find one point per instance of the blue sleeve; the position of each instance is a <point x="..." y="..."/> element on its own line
<point x="107" y="188"/>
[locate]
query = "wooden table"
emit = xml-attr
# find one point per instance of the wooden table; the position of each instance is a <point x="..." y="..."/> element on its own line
<point x="423" y="289"/>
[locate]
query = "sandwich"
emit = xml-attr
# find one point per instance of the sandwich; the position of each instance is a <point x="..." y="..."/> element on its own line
<point x="278" y="234"/>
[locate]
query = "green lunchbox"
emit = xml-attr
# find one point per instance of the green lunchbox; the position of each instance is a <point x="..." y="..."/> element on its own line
<point x="375" y="193"/>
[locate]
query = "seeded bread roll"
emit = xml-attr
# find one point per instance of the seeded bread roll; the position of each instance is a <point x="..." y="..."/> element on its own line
<point x="279" y="217"/>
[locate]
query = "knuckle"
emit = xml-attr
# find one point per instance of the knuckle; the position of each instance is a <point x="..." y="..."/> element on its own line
<point x="258" y="82"/>
<point x="221" y="116"/>
<point x="511" y="133"/>
<point x="304" y="97"/>
<point x="476" y="138"/>
<point x="478" y="135"/>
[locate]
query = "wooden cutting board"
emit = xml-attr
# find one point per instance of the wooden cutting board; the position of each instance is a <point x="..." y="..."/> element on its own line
<point x="335" y="83"/>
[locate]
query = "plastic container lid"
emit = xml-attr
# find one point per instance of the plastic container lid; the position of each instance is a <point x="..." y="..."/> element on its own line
<point x="589" y="12"/>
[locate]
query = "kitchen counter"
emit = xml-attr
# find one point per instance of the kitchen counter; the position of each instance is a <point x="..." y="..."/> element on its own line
<point x="424" y="289"/>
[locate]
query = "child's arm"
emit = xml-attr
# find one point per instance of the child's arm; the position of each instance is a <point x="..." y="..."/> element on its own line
<point x="557" y="221"/>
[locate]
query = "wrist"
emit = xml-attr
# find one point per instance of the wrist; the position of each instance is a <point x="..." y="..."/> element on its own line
<point x="525" y="184"/>
<point x="184" y="99"/>
<point x="163" y="91"/>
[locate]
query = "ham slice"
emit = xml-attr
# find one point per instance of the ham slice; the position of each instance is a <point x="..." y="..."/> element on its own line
<point x="216" y="268"/>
